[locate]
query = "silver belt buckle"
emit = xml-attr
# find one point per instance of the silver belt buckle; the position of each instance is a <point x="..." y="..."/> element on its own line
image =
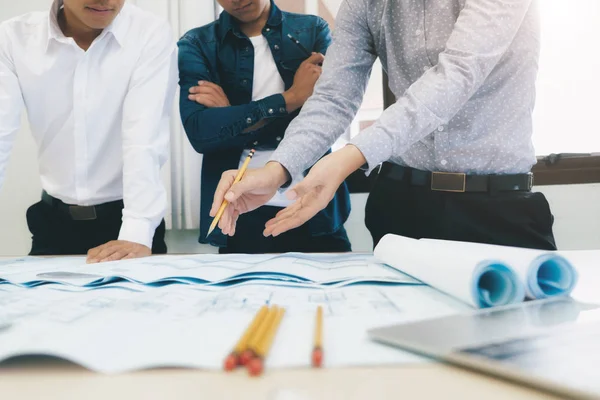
<point x="83" y="213"/>
<point x="448" y="182"/>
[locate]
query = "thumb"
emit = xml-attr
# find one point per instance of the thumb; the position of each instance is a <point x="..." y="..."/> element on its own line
<point x="316" y="59"/>
<point x="237" y="190"/>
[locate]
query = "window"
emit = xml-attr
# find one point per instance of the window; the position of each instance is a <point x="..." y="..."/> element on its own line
<point x="567" y="105"/>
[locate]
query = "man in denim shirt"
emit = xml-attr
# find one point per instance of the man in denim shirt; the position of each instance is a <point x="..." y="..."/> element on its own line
<point x="242" y="82"/>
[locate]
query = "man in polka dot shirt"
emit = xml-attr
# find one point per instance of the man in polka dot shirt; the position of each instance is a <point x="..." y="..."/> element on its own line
<point x="453" y="153"/>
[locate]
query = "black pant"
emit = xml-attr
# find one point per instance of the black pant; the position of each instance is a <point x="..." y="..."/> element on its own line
<point x="56" y="233"/>
<point x="520" y="219"/>
<point x="249" y="239"/>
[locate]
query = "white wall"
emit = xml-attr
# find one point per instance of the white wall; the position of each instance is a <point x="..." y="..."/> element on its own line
<point x="22" y="185"/>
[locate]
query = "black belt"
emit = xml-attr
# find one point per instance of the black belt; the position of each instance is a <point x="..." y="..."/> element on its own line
<point x="458" y="182"/>
<point x="83" y="213"/>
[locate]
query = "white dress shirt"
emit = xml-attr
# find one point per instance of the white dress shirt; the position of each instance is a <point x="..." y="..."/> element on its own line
<point x="100" y="117"/>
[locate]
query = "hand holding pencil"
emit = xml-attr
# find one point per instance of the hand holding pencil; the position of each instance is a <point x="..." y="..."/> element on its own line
<point x="225" y="203"/>
<point x="254" y="188"/>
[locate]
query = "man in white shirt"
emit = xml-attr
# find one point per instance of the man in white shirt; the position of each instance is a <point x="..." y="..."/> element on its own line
<point x="97" y="78"/>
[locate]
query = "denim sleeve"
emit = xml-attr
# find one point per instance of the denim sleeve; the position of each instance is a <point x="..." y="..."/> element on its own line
<point x="323" y="39"/>
<point x="216" y="129"/>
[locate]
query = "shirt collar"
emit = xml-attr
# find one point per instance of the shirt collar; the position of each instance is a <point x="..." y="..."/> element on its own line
<point x="229" y="24"/>
<point x="117" y="28"/>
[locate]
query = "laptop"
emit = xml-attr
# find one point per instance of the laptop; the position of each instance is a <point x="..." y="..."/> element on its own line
<point x="552" y="345"/>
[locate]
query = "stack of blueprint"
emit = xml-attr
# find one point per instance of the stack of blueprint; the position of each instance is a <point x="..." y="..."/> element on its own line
<point x="203" y="269"/>
<point x="111" y="330"/>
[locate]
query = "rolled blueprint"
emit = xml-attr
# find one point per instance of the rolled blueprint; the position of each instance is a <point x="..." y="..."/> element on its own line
<point x="478" y="281"/>
<point x="544" y="273"/>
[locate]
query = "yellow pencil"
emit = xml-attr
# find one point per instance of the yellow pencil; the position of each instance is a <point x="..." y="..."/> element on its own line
<point x="258" y="335"/>
<point x="225" y="203"/>
<point x="233" y="359"/>
<point x="257" y="364"/>
<point x="317" y="355"/>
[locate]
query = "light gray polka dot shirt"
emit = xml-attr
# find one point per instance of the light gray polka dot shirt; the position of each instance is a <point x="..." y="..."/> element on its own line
<point x="463" y="73"/>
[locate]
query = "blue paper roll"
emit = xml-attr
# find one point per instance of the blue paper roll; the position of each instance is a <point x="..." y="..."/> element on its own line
<point x="550" y="275"/>
<point x="496" y="284"/>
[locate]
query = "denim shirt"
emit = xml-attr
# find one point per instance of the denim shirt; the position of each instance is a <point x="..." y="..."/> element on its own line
<point x="220" y="53"/>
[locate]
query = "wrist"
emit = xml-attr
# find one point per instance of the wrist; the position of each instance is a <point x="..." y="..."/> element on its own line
<point x="292" y="100"/>
<point x="355" y="159"/>
<point x="279" y="173"/>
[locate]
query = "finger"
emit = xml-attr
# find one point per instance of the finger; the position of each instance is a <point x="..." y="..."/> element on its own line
<point x="224" y="221"/>
<point x="130" y="256"/>
<point x="106" y="252"/>
<point x="215" y="88"/>
<point x="285" y="213"/>
<point x="316" y="58"/>
<point x="224" y="185"/>
<point x="206" y="90"/>
<point x="240" y="188"/>
<point x="216" y="94"/>
<point x="117" y="255"/>
<point x="92" y="255"/>
<point x="298" y="219"/>
<point x="205" y="100"/>
<point x="234" y="216"/>
<point x="211" y="85"/>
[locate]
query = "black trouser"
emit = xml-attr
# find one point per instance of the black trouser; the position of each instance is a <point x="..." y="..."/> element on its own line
<point x="55" y="232"/>
<point x="249" y="239"/>
<point x="511" y="218"/>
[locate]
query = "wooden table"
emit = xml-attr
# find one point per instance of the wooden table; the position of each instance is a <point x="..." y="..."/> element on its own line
<point x="52" y="379"/>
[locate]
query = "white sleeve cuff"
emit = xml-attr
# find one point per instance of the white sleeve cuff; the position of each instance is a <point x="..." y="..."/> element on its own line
<point x="137" y="230"/>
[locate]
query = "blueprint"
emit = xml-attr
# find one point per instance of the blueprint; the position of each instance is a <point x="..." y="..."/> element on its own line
<point x="203" y="269"/>
<point x="114" y="330"/>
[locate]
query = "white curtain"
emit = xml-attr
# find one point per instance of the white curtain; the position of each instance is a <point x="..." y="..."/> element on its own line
<point x="182" y="173"/>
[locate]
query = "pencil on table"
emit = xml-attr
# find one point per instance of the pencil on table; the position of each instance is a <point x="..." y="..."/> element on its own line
<point x="317" y="354"/>
<point x="254" y="341"/>
<point x="225" y="203"/>
<point x="233" y="359"/>
<point x="257" y="364"/>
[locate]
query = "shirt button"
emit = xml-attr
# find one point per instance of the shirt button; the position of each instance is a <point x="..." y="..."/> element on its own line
<point x="441" y="128"/>
<point x="444" y="162"/>
<point x="271" y="111"/>
<point x="247" y="49"/>
<point x="276" y="47"/>
<point x="278" y="138"/>
<point x="245" y="82"/>
<point x="268" y="29"/>
<point x="249" y="121"/>
<point x="282" y="110"/>
<point x="418" y="32"/>
<point x="255" y="143"/>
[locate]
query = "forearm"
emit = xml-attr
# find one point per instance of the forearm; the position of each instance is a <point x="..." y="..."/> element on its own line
<point x="145" y="197"/>
<point x="214" y="129"/>
<point x="337" y="95"/>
